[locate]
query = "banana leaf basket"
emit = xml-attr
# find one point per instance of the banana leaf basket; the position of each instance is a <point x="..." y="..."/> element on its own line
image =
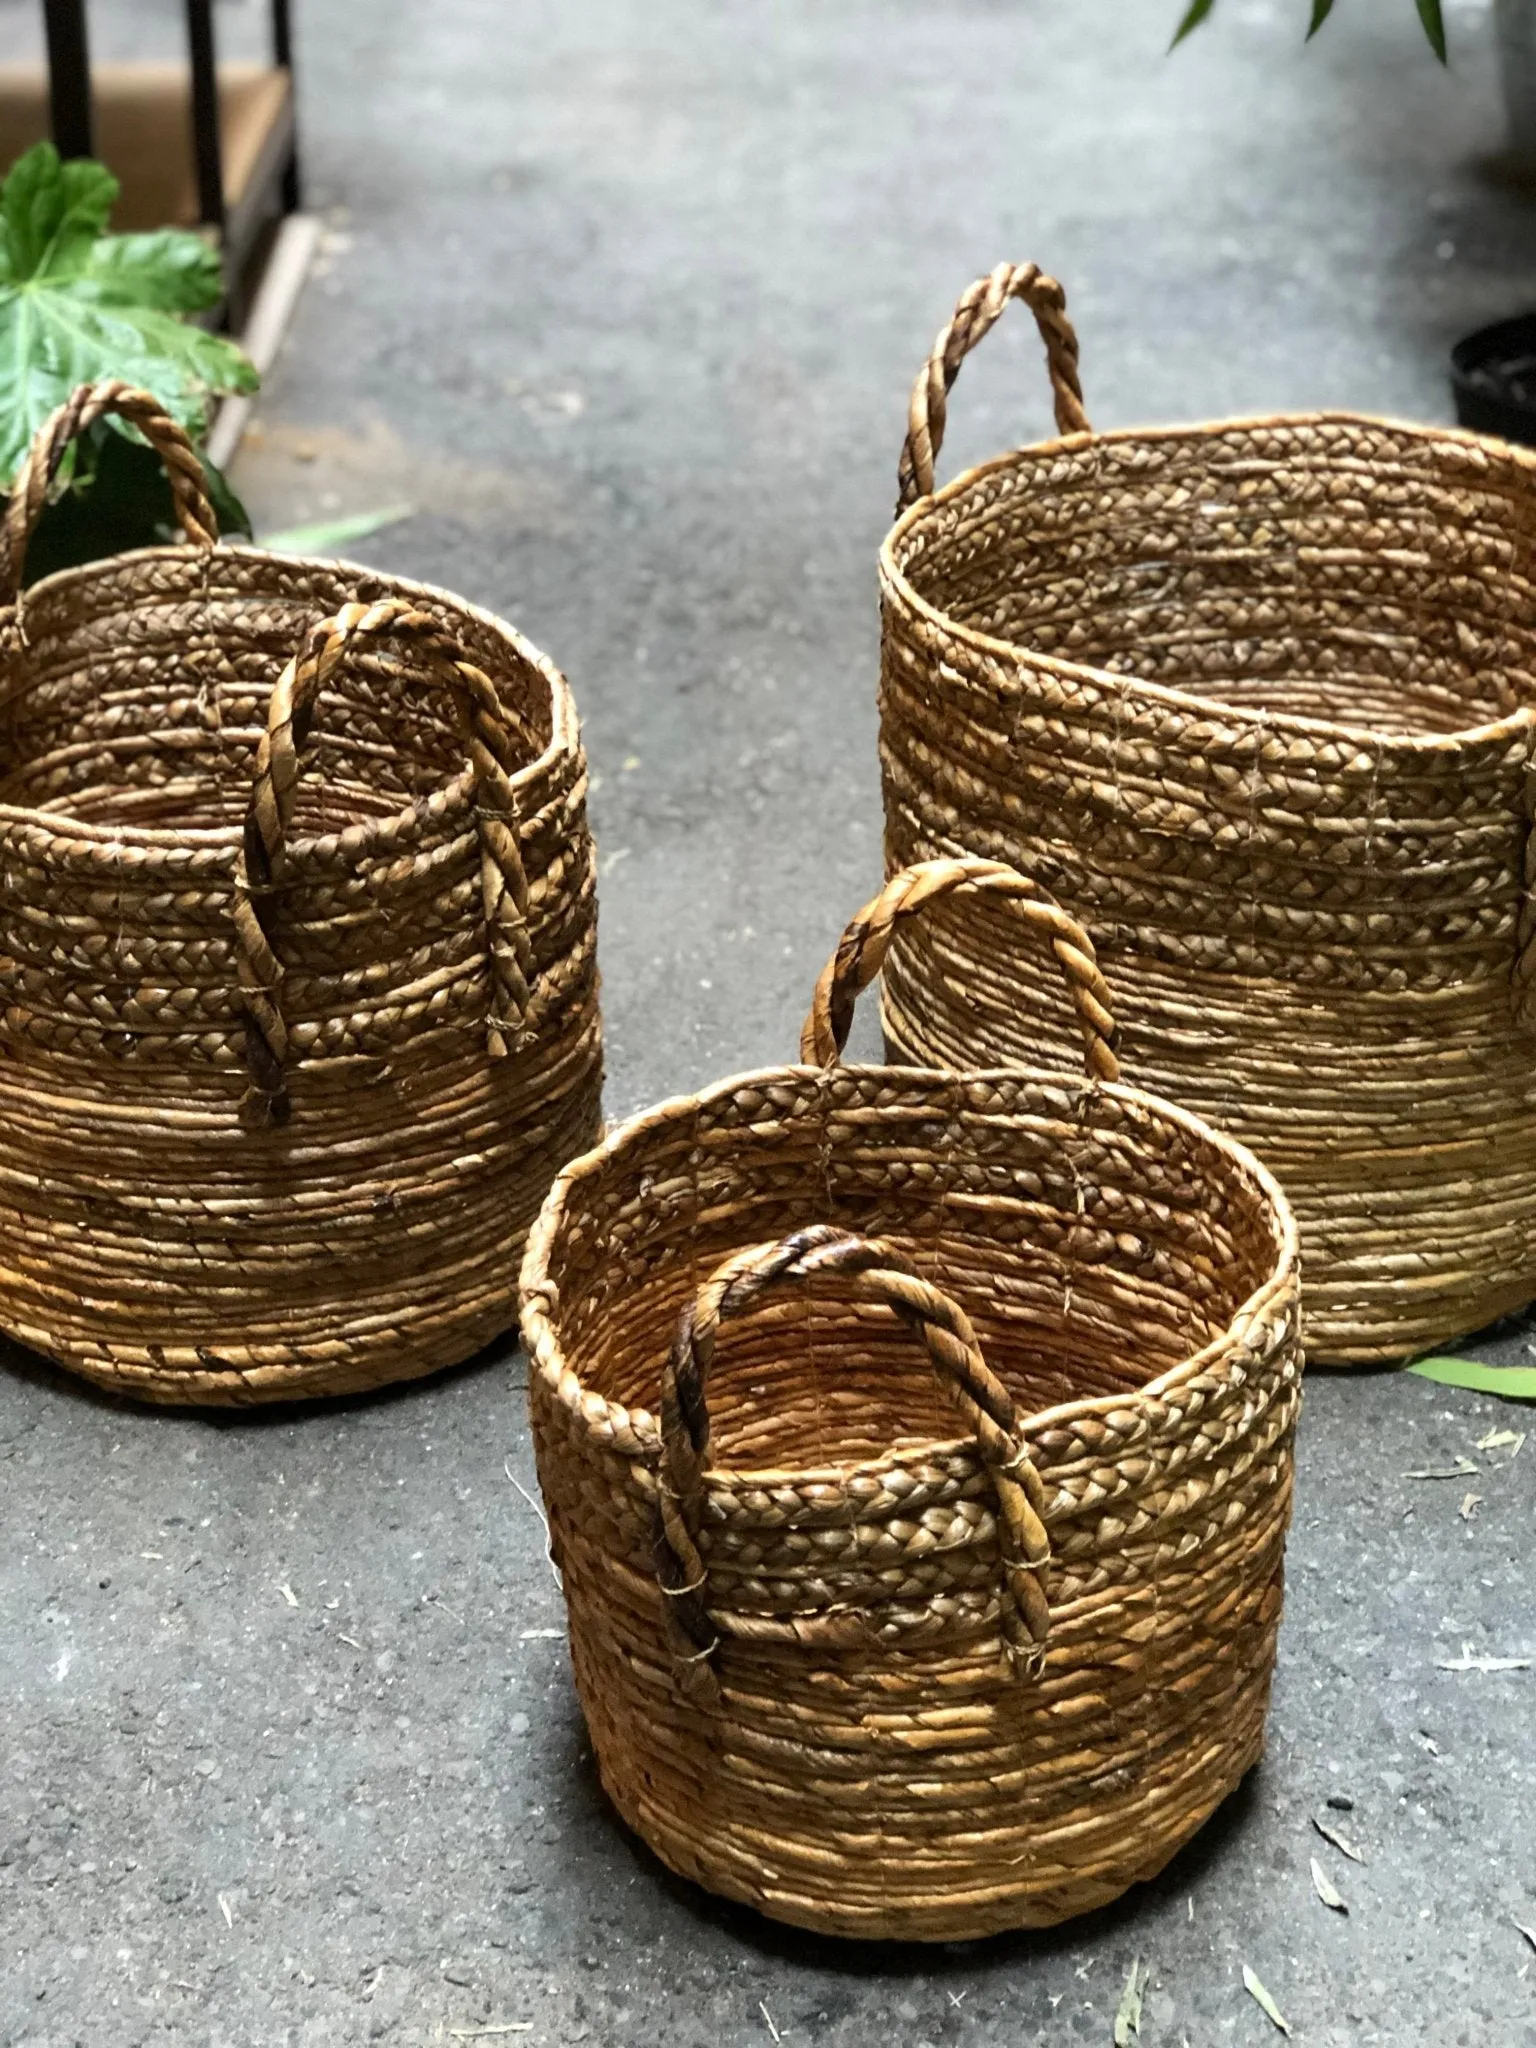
<point x="298" y="998"/>
<point x="918" y="1454"/>
<point x="1257" y="699"/>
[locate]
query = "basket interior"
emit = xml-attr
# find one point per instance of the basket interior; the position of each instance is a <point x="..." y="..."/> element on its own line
<point x="1338" y="569"/>
<point x="1096" y="1242"/>
<point x="141" y="692"/>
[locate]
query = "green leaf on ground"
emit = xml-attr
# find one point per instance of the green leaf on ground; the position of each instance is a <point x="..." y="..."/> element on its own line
<point x="326" y="535"/>
<point x="1128" y="2018"/>
<point x="1509" y="1382"/>
<point x="1262" y="1998"/>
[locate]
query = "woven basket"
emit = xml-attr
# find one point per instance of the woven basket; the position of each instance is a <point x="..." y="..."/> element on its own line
<point x="1255" y="698"/>
<point x="936" y="1647"/>
<point x="295" y="1026"/>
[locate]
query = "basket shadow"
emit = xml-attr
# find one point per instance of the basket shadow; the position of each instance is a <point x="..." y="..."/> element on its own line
<point x="33" y="1369"/>
<point x="777" y="1941"/>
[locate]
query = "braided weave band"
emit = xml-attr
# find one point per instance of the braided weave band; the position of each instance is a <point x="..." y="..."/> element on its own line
<point x="862" y="949"/>
<point x="874" y="1271"/>
<point x="84" y="406"/>
<point x="504" y="886"/>
<point x="976" y="312"/>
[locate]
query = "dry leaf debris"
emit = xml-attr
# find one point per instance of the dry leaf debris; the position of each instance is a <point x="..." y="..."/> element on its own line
<point x="1263" y="2000"/>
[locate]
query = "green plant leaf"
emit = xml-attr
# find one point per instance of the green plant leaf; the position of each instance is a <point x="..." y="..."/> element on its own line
<point x="1434" y="26"/>
<point x="1193" y="17"/>
<point x="77" y="304"/>
<point x="51" y="212"/>
<point x="171" y="270"/>
<point x="119" y="499"/>
<point x="326" y="535"/>
<point x="1430" y="15"/>
<point x="1510" y="1382"/>
<point x="227" y="509"/>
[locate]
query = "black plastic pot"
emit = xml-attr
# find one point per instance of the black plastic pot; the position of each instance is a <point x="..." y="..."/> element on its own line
<point x="1493" y="378"/>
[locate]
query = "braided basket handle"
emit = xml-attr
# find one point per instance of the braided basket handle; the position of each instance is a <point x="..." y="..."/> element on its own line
<point x="279" y="758"/>
<point x="976" y="312"/>
<point x="876" y="1272"/>
<point x="862" y="949"/>
<point x="84" y="406"/>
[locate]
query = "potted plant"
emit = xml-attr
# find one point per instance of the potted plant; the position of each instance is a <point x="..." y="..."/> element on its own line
<point x="1493" y="372"/>
<point x="77" y="304"/>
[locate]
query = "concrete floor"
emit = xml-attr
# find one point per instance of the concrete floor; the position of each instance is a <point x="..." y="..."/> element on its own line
<point x="624" y="300"/>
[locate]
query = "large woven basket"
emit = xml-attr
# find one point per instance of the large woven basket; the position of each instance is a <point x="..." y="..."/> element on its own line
<point x="1256" y="699"/>
<point x="298" y="1009"/>
<point x="895" y="1646"/>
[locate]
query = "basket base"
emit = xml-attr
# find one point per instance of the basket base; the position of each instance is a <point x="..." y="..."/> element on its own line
<point x="959" y="1918"/>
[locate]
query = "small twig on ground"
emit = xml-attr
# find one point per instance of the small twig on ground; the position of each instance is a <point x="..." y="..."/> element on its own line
<point x="549" y="1552"/>
<point x="1467" y="1662"/>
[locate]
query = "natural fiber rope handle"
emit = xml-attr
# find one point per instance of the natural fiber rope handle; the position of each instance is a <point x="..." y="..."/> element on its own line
<point x="504" y="886"/>
<point x="84" y="406"/>
<point x="876" y="1272"/>
<point x="862" y="949"/>
<point x="977" y="311"/>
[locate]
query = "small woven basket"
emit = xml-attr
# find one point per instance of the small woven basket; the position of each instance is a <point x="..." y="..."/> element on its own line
<point x="904" y="1646"/>
<point x="298" y="998"/>
<point x="1256" y="698"/>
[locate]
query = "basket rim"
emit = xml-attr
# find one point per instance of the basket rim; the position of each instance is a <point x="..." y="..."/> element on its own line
<point x="537" y="1307"/>
<point x="899" y="586"/>
<point x="364" y="833"/>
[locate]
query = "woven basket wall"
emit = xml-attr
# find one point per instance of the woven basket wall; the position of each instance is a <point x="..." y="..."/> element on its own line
<point x="296" y="1026"/>
<point x="1255" y="699"/>
<point x="914" y="1646"/>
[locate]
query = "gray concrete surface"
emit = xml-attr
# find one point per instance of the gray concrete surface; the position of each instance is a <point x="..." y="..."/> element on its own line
<point x="624" y="300"/>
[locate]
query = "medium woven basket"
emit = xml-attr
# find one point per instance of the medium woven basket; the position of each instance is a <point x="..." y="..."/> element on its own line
<point x="298" y="1001"/>
<point x="907" y="1646"/>
<point x="1256" y="699"/>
